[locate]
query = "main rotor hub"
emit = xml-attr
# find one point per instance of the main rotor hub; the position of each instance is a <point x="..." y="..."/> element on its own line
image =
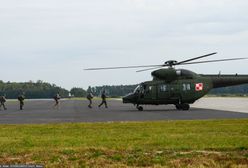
<point x="170" y="63"/>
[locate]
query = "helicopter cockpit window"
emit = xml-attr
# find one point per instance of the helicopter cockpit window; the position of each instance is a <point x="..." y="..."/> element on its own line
<point x="148" y="89"/>
<point x="143" y="88"/>
<point x="137" y="89"/>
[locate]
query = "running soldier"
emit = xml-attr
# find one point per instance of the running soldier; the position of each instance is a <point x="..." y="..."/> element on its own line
<point x="103" y="96"/>
<point x="90" y="97"/>
<point x="2" y="102"/>
<point x="56" y="98"/>
<point x="21" y="98"/>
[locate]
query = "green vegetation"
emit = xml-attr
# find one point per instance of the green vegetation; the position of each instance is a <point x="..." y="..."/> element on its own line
<point x="213" y="143"/>
<point x="40" y="89"/>
<point x="78" y="92"/>
<point x="240" y="90"/>
<point x="113" y="91"/>
<point x="31" y="89"/>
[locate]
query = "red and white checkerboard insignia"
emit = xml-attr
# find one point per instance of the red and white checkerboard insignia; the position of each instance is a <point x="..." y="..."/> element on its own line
<point x="198" y="86"/>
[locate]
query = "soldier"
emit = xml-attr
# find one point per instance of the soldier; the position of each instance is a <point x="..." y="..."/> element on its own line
<point x="103" y="96"/>
<point x="21" y="98"/>
<point x="56" y="98"/>
<point x="90" y="97"/>
<point x="2" y="101"/>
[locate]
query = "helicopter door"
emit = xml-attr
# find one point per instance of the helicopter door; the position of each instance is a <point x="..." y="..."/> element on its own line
<point x="187" y="91"/>
<point x="163" y="91"/>
<point x="150" y="92"/>
<point x="154" y="92"/>
<point x="174" y="92"/>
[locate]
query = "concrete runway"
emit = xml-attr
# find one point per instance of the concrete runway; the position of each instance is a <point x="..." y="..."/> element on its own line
<point x="235" y="104"/>
<point x="41" y="112"/>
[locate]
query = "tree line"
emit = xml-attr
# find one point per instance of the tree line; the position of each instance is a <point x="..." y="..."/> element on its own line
<point x="232" y="90"/>
<point x="31" y="90"/>
<point x="112" y="91"/>
<point x="40" y="89"/>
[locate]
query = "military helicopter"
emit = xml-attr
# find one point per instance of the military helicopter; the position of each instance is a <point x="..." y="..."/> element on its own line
<point x="180" y="87"/>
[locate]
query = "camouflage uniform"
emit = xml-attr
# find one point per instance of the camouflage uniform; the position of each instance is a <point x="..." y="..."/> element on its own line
<point x="56" y="98"/>
<point x="103" y="96"/>
<point x="21" y="100"/>
<point x="2" y="101"/>
<point x="90" y="97"/>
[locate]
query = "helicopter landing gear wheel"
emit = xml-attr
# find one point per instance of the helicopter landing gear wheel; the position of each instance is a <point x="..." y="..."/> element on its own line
<point x="140" y="108"/>
<point x="183" y="106"/>
<point x="178" y="106"/>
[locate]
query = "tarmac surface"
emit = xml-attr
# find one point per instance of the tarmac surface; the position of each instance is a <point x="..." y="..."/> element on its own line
<point x="70" y="111"/>
<point x="235" y="104"/>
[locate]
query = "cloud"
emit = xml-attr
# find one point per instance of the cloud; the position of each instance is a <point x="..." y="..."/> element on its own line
<point x="63" y="37"/>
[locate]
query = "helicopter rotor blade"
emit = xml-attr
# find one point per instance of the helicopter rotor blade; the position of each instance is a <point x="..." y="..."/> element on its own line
<point x="220" y="60"/>
<point x="124" y="67"/>
<point x="192" y="59"/>
<point x="168" y="63"/>
<point x="142" y="70"/>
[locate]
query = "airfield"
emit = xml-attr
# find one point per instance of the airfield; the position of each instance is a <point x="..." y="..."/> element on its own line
<point x="75" y="111"/>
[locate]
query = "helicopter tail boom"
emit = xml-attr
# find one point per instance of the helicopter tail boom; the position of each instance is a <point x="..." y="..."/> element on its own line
<point x="227" y="80"/>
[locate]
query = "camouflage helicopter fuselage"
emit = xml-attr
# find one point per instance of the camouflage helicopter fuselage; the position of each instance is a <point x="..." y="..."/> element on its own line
<point x="179" y="87"/>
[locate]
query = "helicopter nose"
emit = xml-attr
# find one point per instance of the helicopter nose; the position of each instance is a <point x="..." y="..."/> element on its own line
<point x="128" y="99"/>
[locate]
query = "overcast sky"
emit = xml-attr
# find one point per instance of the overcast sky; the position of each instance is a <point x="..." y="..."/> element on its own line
<point x="54" y="40"/>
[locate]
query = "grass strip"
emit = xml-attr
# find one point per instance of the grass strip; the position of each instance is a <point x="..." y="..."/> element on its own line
<point x="209" y="143"/>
